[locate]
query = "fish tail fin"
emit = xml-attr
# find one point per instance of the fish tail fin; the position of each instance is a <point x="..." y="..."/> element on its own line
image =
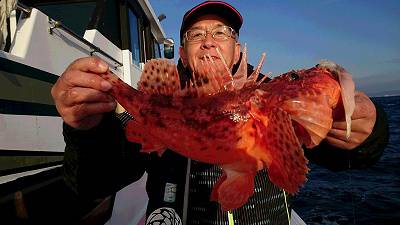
<point x="233" y="189"/>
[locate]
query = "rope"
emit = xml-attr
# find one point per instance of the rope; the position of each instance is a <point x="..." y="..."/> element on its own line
<point x="230" y="218"/>
<point x="286" y="205"/>
<point x="186" y="192"/>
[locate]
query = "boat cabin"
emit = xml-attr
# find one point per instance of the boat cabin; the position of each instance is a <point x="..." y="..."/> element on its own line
<point x="39" y="39"/>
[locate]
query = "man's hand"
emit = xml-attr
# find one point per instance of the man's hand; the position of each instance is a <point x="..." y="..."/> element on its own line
<point x="81" y="95"/>
<point x="362" y="123"/>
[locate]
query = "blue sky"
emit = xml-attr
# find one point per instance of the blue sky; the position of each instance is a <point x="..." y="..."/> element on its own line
<point x="361" y="35"/>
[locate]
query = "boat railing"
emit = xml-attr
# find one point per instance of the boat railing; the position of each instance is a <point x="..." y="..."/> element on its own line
<point x="58" y="25"/>
<point x="54" y="24"/>
<point x="23" y="8"/>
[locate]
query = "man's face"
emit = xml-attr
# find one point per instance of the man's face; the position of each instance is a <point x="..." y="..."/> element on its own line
<point x="193" y="53"/>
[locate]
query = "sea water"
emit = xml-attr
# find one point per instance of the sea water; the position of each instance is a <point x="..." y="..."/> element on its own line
<point x="368" y="196"/>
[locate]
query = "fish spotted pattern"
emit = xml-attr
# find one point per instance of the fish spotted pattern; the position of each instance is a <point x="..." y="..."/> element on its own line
<point x="236" y="121"/>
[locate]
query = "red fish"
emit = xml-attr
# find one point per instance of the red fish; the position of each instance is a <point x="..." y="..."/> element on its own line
<point x="241" y="124"/>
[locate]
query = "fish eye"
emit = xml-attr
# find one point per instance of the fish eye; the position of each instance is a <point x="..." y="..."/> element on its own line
<point x="294" y="76"/>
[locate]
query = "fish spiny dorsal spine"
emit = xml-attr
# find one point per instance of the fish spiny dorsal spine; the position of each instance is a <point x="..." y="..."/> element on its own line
<point x="160" y="77"/>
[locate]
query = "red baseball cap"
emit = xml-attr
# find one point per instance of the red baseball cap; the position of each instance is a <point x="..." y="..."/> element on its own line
<point x="220" y="8"/>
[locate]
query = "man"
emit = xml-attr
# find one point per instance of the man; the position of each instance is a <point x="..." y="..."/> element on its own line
<point x="100" y="161"/>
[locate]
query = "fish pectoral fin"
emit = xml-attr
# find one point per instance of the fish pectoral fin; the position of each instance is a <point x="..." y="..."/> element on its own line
<point x="134" y="132"/>
<point x="233" y="189"/>
<point x="286" y="163"/>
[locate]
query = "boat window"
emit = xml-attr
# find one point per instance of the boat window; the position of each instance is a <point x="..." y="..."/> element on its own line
<point x="134" y="37"/>
<point x="107" y="21"/>
<point x="152" y="49"/>
<point x="82" y="15"/>
<point x="76" y="15"/>
<point x="157" y="50"/>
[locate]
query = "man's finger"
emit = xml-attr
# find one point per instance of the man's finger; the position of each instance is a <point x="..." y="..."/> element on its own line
<point x="89" y="64"/>
<point x="340" y="143"/>
<point x="338" y="134"/>
<point x="354" y="124"/>
<point x="364" y="106"/>
<point x="86" y="80"/>
<point x="80" y="112"/>
<point x="79" y="95"/>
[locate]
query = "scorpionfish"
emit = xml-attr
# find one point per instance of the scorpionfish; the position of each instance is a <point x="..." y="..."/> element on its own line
<point x="237" y="122"/>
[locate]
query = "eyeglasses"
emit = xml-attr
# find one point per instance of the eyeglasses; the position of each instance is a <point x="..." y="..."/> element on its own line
<point x="219" y="33"/>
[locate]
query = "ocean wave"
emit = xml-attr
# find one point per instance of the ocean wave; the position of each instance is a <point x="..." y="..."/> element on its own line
<point x="366" y="197"/>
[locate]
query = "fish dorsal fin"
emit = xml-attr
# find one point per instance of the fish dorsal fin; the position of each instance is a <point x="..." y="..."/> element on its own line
<point x="240" y="77"/>
<point x="223" y="80"/>
<point x="159" y="76"/>
<point x="347" y="87"/>
<point x="208" y="79"/>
